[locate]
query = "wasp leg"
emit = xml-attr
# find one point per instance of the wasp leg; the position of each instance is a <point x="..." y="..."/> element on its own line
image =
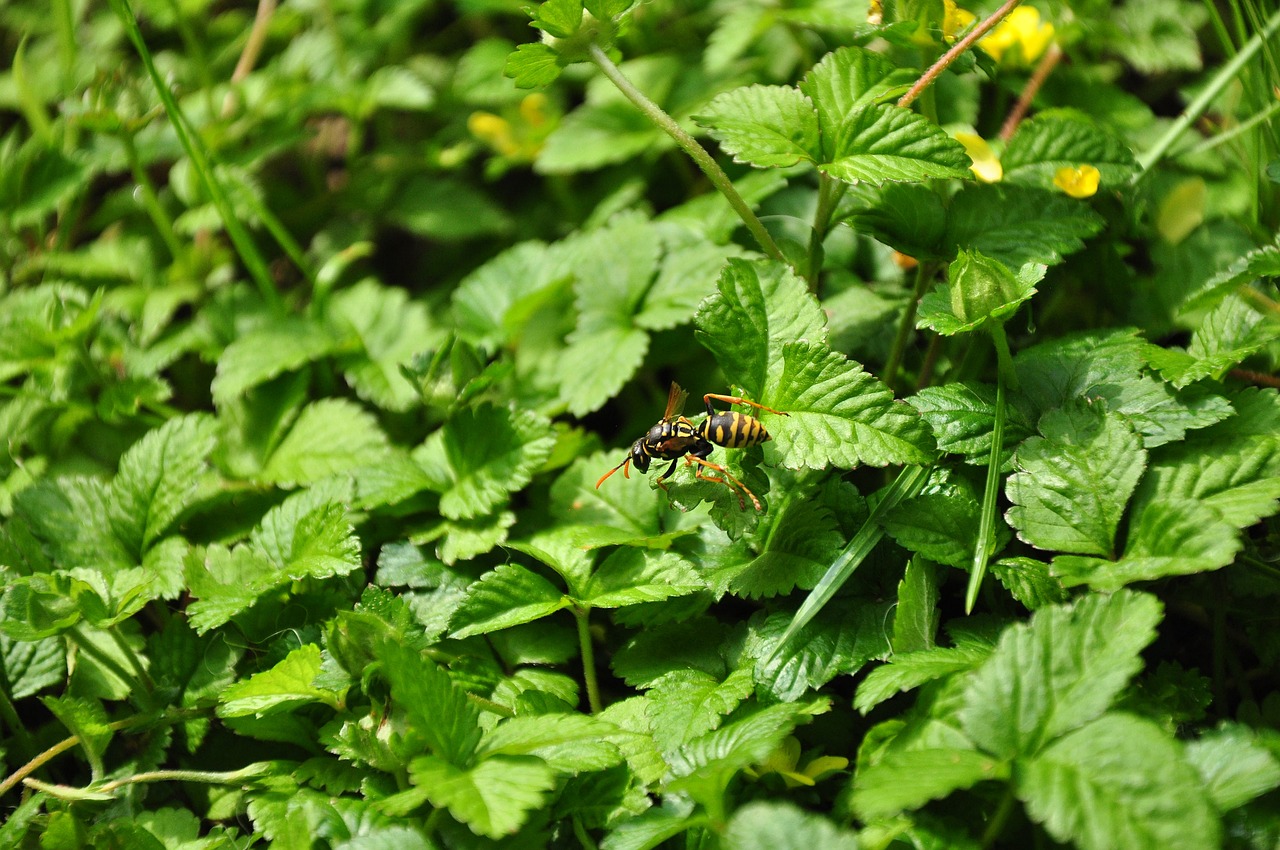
<point x="691" y="459"/>
<point x="670" y="469"/>
<point x="733" y="399"/>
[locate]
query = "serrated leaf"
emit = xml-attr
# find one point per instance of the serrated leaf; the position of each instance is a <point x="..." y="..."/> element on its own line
<point x="941" y="523"/>
<point x="832" y="643"/>
<point x="910" y="670"/>
<point x="915" y="620"/>
<point x="1227" y="335"/>
<point x="1235" y="766"/>
<point x="631" y="576"/>
<point x="1119" y="782"/>
<point x="532" y="66"/>
<point x="567" y="743"/>
<point x="1057" y="672"/>
<point x="275" y="347"/>
<point x="684" y="704"/>
<point x="846" y="79"/>
<point x="1054" y="140"/>
<point x="157" y="476"/>
<point x="309" y="535"/>
<point x="614" y="353"/>
<point x="86" y="720"/>
<point x="907" y="779"/>
<point x="438" y="709"/>
<point x="391" y="330"/>
<point x="490" y="303"/>
<point x="908" y="217"/>
<point x="652" y="828"/>
<point x="840" y="415"/>
<point x="779" y="825"/>
<point x="1073" y="484"/>
<point x="493" y="798"/>
<point x="961" y="416"/>
<point x="596" y="135"/>
<point x="481" y="455"/>
<point x="29" y="666"/>
<point x="1029" y="581"/>
<point x="766" y="126"/>
<point x="704" y="764"/>
<point x="283" y="688"/>
<point x="330" y="437"/>
<point x="1016" y="225"/>
<point x="626" y="504"/>
<point x="879" y="143"/>
<point x="505" y="597"/>
<point x="1262" y="262"/>
<point x="801" y="540"/>
<point x="760" y="306"/>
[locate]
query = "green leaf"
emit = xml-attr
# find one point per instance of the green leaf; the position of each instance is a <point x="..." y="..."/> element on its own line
<point x="560" y="18"/>
<point x="979" y="290"/>
<point x="1058" y="672"/>
<point x="491" y="304"/>
<point x="567" y="743"/>
<point x="1016" y="225"/>
<point x="1074" y="482"/>
<point x="615" y="353"/>
<point x="761" y="306"/>
<point x="330" y="437"/>
<point x="961" y="416"/>
<point x="704" y="765"/>
<point x="273" y="348"/>
<point x="309" y="534"/>
<point x="915" y="620"/>
<point x="908" y="217"/>
<point x="1119" y="782"/>
<point x="766" y="126"/>
<point x="445" y="209"/>
<point x="846" y="79"/>
<point x="283" y="688"/>
<point x="834" y="642"/>
<point x="1053" y="140"/>
<point x="439" y="710"/>
<point x="840" y="415"/>
<point x="766" y="825"/>
<point x="391" y="330"/>
<point x="1159" y="36"/>
<point x="596" y="135"/>
<point x="878" y="143"/>
<point x="1230" y="332"/>
<point x="1259" y="263"/>
<point x="86" y="720"/>
<point x="533" y="66"/>
<point x="494" y="798"/>
<point x="483" y="454"/>
<point x="503" y="598"/>
<point x="1029" y="581"/>
<point x="1235" y="765"/>
<point x="156" y="478"/>
<point x="631" y="576"/>
<point x="940" y="524"/>
<point x="29" y="666"/>
<point x="907" y="779"/>
<point x="651" y="829"/>
<point x="909" y="670"/>
<point x="684" y="704"/>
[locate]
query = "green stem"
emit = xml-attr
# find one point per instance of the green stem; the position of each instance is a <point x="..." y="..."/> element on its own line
<point x="996" y="825"/>
<point x="210" y="777"/>
<point x="150" y="200"/>
<point x="991" y="492"/>
<point x="582" y="615"/>
<point x="924" y="274"/>
<point x="1206" y="97"/>
<point x="830" y="192"/>
<point x="200" y="158"/>
<point x="690" y="146"/>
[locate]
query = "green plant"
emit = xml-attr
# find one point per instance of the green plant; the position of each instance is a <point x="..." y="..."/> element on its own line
<point x="315" y="326"/>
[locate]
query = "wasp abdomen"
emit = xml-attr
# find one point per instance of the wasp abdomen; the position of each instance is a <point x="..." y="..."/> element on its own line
<point x="734" y="430"/>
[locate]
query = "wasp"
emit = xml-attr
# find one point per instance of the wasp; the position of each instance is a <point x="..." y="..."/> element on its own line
<point x="675" y="438"/>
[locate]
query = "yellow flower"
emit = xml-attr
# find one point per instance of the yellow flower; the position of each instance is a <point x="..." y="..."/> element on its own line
<point x="1021" y="29"/>
<point x="493" y="130"/>
<point x="783" y="761"/>
<point x="533" y="109"/>
<point x="516" y="135"/>
<point x="1078" y="182"/>
<point x="986" y="165"/>
<point x="954" y="19"/>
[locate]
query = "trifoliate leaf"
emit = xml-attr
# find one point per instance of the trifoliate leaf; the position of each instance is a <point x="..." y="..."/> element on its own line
<point x="630" y="576"/>
<point x="839" y="415"/>
<point x="1057" y="672"/>
<point x="846" y="79"/>
<point x="961" y="416"/>
<point x="283" y="688"/>
<point x="1056" y="140"/>
<point x="832" y="643"/>
<point x="760" y="307"/>
<point x="684" y="704"/>
<point x="783" y="826"/>
<point x="979" y="290"/>
<point x="493" y="798"/>
<point x="766" y="126"/>
<point x="909" y="670"/>
<point x="157" y="476"/>
<point x="568" y="743"/>
<point x="1016" y="225"/>
<point x="273" y="348"/>
<point x="505" y="597"/>
<point x="879" y="143"/>
<point x="1229" y="333"/>
<point x="309" y="534"/>
<point x="391" y="330"/>
<point x="1073" y="483"/>
<point x="481" y="455"/>
<point x="1234" y="764"/>
<point x="330" y="437"/>
<point x="907" y="779"/>
<point x="1120" y="781"/>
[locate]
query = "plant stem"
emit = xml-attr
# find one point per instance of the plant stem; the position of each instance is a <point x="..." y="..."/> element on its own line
<point x="1207" y="95"/>
<point x="991" y="492"/>
<point x="211" y="777"/>
<point x="924" y="274"/>
<point x="935" y="70"/>
<point x="1048" y="62"/>
<point x="582" y="615"/>
<point x="829" y="194"/>
<point x="252" y="50"/>
<point x="690" y="146"/>
<point x="995" y="826"/>
<point x="150" y="200"/>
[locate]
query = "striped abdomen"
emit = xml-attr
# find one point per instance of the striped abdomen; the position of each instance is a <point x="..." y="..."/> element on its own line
<point x="733" y="430"/>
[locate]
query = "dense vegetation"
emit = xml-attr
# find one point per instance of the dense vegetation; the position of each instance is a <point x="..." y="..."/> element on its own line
<point x="319" y="328"/>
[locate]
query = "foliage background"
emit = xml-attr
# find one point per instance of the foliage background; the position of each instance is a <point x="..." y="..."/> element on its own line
<point x="317" y="331"/>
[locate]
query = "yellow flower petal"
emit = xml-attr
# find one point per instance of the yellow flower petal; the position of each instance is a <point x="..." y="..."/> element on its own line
<point x="1022" y="30"/>
<point x="955" y="19"/>
<point x="986" y="165"/>
<point x="1079" y="182"/>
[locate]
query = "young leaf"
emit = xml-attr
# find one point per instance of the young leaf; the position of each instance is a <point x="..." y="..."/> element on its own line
<point x="533" y="66"/>
<point x="1074" y="482"/>
<point x="878" y="143"/>
<point x="1029" y="581"/>
<point x="1120" y="781"/>
<point x="766" y="126"/>
<point x="284" y="687"/>
<point x="1230" y="332"/>
<point x="1058" y="672"/>
<point x="493" y="798"/>
<point x="1235" y="765"/>
<point x="330" y="437"/>
<point x="481" y="455"/>
<point x="309" y="534"/>
<point x="503" y="598"/>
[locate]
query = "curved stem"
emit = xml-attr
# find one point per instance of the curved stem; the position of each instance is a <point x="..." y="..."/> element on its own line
<point x="936" y="69"/>
<point x="252" y="50"/>
<point x="924" y="273"/>
<point x="690" y="146"/>
<point x="830" y="193"/>
<point x="582" y="615"/>
<point x="1048" y="62"/>
<point x="995" y="826"/>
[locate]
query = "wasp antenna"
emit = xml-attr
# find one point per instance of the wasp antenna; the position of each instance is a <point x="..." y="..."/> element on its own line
<point x="626" y="472"/>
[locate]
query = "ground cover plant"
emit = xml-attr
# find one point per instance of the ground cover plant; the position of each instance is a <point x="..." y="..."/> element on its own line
<point x="321" y="322"/>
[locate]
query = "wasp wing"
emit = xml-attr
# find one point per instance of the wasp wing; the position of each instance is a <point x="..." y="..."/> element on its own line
<point x="675" y="401"/>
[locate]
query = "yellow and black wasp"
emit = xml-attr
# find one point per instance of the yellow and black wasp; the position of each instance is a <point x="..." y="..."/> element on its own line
<point x="675" y="437"/>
